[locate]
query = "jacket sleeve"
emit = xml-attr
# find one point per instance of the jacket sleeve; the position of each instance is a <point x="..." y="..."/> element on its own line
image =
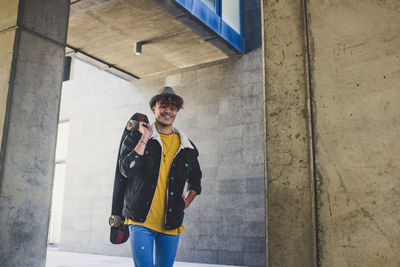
<point x="194" y="176"/>
<point x="128" y="155"/>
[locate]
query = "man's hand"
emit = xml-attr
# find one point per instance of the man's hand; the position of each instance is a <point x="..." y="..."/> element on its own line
<point x="145" y="130"/>
<point x="190" y="195"/>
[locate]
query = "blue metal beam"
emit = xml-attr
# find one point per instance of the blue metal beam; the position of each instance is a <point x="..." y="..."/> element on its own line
<point x="205" y="22"/>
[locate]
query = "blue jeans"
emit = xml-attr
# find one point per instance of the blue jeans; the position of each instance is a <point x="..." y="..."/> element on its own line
<point x="142" y="244"/>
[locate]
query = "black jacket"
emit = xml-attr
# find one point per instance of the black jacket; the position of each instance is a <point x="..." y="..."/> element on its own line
<point x="143" y="177"/>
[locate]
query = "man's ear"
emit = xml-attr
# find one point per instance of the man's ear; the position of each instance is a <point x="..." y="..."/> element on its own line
<point x="153" y="108"/>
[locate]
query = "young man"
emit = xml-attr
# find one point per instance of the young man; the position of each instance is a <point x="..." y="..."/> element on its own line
<point x="158" y="161"/>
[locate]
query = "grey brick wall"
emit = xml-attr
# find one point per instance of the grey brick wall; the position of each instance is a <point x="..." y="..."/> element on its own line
<point x="226" y="224"/>
<point x="223" y="116"/>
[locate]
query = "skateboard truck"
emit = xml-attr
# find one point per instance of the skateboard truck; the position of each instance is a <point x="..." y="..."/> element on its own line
<point x="114" y="221"/>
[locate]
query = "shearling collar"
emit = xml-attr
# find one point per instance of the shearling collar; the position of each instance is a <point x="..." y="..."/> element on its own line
<point x="185" y="143"/>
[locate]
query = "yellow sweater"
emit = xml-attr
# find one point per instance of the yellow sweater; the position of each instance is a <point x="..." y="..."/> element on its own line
<point x="155" y="219"/>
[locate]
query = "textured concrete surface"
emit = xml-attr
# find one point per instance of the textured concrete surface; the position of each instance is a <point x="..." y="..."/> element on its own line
<point x="354" y="68"/>
<point x="355" y="80"/>
<point x="289" y="194"/>
<point x="8" y="14"/>
<point x="49" y="19"/>
<point x="56" y="258"/>
<point x="222" y="115"/>
<point x="27" y="153"/>
<point x="109" y="29"/>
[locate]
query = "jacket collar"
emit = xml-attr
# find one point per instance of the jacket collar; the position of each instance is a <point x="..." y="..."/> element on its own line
<point x="185" y="143"/>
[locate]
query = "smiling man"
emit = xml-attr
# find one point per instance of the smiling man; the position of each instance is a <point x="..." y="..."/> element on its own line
<point x="158" y="161"/>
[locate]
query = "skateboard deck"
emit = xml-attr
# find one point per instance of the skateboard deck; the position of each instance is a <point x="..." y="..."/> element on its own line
<point x="119" y="232"/>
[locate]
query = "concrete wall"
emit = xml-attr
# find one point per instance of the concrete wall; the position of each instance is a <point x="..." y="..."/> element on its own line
<point x="222" y="115"/>
<point x="289" y="183"/>
<point x="344" y="58"/>
<point x="33" y="34"/>
<point x="355" y="51"/>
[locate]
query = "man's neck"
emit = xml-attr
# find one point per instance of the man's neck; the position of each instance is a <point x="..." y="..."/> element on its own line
<point x="164" y="129"/>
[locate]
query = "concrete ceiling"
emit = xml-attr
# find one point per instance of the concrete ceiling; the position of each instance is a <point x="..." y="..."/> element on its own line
<point x="108" y="29"/>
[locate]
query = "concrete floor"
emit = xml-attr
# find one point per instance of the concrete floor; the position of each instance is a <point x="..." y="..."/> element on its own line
<point x="56" y="258"/>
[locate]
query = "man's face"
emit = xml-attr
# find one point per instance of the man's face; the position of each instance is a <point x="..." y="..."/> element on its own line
<point x="165" y="114"/>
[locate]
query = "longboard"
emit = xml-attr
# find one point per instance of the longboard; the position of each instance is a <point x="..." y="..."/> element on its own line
<point x="119" y="232"/>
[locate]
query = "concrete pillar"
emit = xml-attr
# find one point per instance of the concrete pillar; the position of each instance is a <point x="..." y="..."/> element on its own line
<point x="290" y="201"/>
<point x="355" y="82"/>
<point x="32" y="45"/>
<point x="346" y="56"/>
